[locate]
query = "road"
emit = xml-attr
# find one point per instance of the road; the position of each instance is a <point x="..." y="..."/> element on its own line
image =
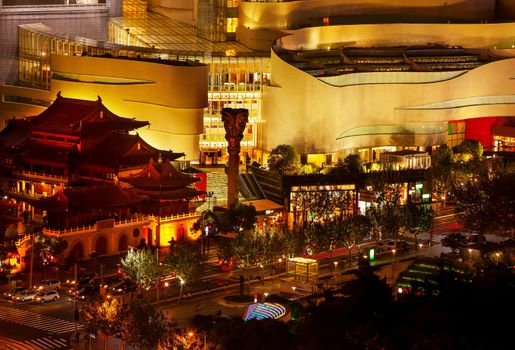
<point x="49" y="326"/>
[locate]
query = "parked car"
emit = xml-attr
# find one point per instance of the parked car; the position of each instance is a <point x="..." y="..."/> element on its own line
<point x="11" y="293"/>
<point x="49" y="284"/>
<point x="25" y="295"/>
<point x="46" y="295"/>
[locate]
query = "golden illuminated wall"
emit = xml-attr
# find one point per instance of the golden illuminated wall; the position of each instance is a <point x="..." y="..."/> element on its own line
<point x="312" y="115"/>
<point x="262" y="22"/>
<point x="170" y="97"/>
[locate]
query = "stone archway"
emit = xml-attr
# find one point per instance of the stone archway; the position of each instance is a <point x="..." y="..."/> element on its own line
<point x="123" y="243"/>
<point x="76" y="253"/>
<point x="180" y="234"/>
<point x="101" y="245"/>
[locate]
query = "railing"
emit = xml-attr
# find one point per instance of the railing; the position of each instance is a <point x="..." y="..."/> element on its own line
<point x="127" y="222"/>
<point x="40" y="175"/>
<point x="174" y="217"/>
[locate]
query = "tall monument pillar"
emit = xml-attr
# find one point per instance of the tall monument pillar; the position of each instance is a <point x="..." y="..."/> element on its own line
<point x="234" y="124"/>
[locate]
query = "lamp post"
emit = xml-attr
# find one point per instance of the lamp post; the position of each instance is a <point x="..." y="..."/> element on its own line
<point x="420" y="245"/>
<point x="393" y="270"/>
<point x="180" y="292"/>
<point x="470" y="254"/>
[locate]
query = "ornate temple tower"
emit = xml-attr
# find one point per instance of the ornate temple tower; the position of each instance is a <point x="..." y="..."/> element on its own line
<point x="234" y="121"/>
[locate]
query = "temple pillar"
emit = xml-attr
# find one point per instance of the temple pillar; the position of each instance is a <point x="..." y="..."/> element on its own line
<point x="234" y="121"/>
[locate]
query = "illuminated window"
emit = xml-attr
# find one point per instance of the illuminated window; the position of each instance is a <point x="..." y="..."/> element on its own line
<point x="325" y="20"/>
<point x="232" y="24"/>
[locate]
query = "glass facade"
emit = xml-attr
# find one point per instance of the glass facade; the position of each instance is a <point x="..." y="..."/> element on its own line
<point x="236" y="78"/>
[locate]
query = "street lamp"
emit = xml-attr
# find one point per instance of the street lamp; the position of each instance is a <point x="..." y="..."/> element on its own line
<point x="180" y="292"/>
<point x="470" y="254"/>
<point x="393" y="270"/>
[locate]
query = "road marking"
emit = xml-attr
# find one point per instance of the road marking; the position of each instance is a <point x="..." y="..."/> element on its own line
<point x="47" y="343"/>
<point x="35" y="320"/>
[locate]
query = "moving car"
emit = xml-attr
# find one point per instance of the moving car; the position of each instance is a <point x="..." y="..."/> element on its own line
<point x="11" y="293"/>
<point x="46" y="295"/>
<point x="26" y="295"/>
<point x="49" y="284"/>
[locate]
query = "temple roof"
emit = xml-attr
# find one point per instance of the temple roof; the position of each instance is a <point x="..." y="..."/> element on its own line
<point x="74" y="117"/>
<point x="159" y="176"/>
<point x="121" y="149"/>
<point x="44" y="153"/>
<point x="91" y="197"/>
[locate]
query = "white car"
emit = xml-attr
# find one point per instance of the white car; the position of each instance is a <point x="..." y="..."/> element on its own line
<point x="25" y="295"/>
<point x="46" y="295"/>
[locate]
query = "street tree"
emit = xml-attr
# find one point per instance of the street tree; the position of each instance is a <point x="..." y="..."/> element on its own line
<point x="282" y="159"/>
<point x="417" y="218"/>
<point x="207" y="225"/>
<point x="144" y="327"/>
<point x="237" y="218"/>
<point x="103" y="315"/>
<point x="142" y="268"/>
<point x="186" y="262"/>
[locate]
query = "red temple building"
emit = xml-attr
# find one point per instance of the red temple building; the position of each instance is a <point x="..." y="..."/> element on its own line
<point x="83" y="172"/>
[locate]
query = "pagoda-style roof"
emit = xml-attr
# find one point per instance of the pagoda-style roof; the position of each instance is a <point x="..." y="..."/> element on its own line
<point x="121" y="149"/>
<point x="37" y="152"/>
<point x="79" y="117"/>
<point x="159" y="176"/>
<point x="89" y="198"/>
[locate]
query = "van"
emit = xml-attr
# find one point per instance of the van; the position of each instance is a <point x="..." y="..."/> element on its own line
<point x="49" y="284"/>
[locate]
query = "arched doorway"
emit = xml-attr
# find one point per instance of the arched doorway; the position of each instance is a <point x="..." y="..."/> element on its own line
<point x="76" y="253"/>
<point x="123" y="244"/>
<point x="101" y="246"/>
<point x="180" y="234"/>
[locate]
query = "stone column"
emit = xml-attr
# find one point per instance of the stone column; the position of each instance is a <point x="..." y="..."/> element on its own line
<point x="234" y="121"/>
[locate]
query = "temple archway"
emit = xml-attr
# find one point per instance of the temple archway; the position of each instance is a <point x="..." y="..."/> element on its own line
<point x="180" y="234"/>
<point x="76" y="253"/>
<point x="101" y="246"/>
<point x="123" y="244"/>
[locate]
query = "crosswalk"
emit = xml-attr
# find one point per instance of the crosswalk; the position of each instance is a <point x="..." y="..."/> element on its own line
<point x="47" y="343"/>
<point x="35" y="320"/>
<point x="424" y="237"/>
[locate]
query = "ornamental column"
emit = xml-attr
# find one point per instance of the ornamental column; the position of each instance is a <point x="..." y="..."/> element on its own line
<point x="234" y="124"/>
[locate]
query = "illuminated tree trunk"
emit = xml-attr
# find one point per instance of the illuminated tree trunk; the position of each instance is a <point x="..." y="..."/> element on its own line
<point x="234" y="121"/>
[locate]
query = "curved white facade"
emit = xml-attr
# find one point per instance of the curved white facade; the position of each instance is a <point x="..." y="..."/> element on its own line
<point x="261" y="22"/>
<point x="170" y="96"/>
<point x="358" y="110"/>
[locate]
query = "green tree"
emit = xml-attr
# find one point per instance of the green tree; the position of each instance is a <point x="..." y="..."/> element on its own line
<point x="186" y="262"/>
<point x="237" y="218"/>
<point x="103" y="315"/>
<point x="48" y="248"/>
<point x="144" y="327"/>
<point x="468" y="150"/>
<point x="417" y="218"/>
<point x="353" y="164"/>
<point x="208" y="225"/>
<point x="141" y="267"/>
<point x="442" y="156"/>
<point x="282" y="159"/>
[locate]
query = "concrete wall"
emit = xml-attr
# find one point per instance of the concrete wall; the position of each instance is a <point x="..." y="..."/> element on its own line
<point x="310" y="114"/>
<point x="80" y="21"/>
<point x="170" y="97"/>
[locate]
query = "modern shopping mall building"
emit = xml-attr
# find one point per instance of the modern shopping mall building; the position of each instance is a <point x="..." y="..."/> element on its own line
<point x="329" y="77"/>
